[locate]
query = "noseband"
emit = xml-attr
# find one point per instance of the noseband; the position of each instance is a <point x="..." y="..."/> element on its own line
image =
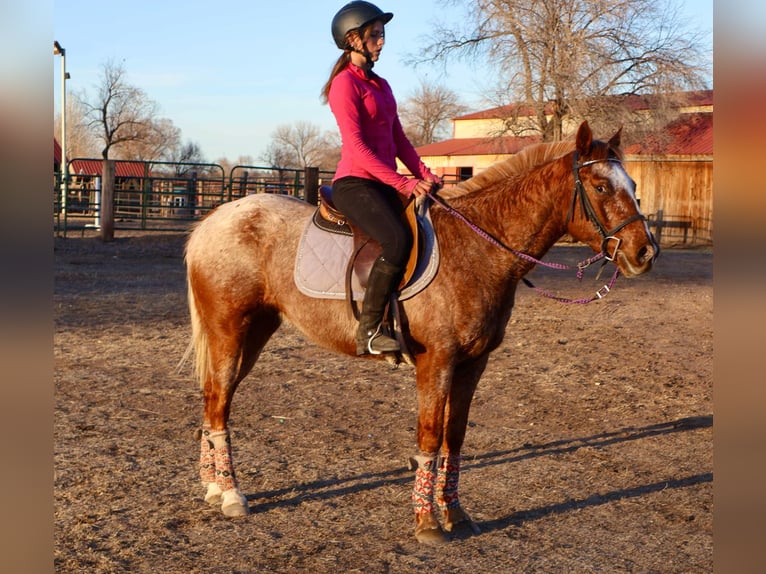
<point x="590" y="213"/>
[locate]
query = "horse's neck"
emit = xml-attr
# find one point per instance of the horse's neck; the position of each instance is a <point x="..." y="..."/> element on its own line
<point x="525" y="217"/>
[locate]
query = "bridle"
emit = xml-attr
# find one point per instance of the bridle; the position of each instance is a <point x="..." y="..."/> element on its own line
<point x="590" y="213"/>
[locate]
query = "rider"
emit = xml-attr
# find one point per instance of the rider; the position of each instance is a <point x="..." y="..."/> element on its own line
<point x="367" y="188"/>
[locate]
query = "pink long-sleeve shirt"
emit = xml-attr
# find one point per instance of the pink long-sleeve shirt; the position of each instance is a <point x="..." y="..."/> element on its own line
<point x="371" y="133"/>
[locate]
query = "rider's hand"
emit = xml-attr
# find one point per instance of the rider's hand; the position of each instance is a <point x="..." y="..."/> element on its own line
<point x="422" y="188"/>
<point x="438" y="183"/>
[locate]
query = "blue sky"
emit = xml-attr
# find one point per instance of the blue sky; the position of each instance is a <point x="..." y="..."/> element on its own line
<point x="228" y="73"/>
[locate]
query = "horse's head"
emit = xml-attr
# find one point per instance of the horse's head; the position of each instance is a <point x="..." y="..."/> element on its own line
<point x="604" y="212"/>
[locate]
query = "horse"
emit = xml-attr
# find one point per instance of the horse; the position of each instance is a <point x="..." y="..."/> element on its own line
<point x="240" y="258"/>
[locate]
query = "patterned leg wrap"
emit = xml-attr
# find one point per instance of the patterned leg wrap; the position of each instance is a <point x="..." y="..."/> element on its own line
<point x="423" y="492"/>
<point x="224" y="468"/>
<point x="447" y="482"/>
<point x="206" y="457"/>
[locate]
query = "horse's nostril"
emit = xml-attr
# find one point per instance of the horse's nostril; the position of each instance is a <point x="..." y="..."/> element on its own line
<point x="648" y="253"/>
<point x="644" y="254"/>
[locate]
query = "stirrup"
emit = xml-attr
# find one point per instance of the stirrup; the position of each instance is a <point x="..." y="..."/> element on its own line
<point x="377" y="342"/>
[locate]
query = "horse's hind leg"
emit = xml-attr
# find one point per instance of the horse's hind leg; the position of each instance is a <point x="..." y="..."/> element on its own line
<point x="231" y="357"/>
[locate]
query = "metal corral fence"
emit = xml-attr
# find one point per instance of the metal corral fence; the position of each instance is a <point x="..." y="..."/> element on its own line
<point x="248" y="179"/>
<point x="165" y="196"/>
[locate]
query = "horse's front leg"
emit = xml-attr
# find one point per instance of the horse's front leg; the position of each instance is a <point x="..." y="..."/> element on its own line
<point x="433" y="386"/>
<point x="447" y="497"/>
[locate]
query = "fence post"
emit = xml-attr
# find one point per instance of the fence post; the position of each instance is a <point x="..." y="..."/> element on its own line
<point x="658" y="235"/>
<point x="311" y="185"/>
<point x="242" y="184"/>
<point x="146" y="189"/>
<point x="107" y="201"/>
<point x="191" y="193"/>
<point x="97" y="200"/>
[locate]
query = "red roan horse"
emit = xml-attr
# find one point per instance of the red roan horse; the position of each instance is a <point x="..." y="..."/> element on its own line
<point x="240" y="287"/>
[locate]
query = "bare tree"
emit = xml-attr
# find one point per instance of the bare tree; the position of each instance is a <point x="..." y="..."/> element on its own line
<point x="80" y="140"/>
<point x="300" y="145"/>
<point x="303" y="139"/>
<point x="190" y="152"/>
<point x="123" y="116"/>
<point x="160" y="140"/>
<point x="329" y="153"/>
<point x="557" y="58"/>
<point x="228" y="164"/>
<point x="279" y="156"/>
<point x="426" y="114"/>
<point x="184" y="156"/>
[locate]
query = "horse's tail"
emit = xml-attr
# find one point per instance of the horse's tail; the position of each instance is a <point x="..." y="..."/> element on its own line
<point x="198" y="345"/>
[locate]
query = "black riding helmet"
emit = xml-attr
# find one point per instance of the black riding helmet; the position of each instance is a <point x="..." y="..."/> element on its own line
<point x="355" y="15"/>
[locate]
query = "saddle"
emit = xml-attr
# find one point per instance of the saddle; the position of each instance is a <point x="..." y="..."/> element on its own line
<point x="366" y="250"/>
<point x="334" y="258"/>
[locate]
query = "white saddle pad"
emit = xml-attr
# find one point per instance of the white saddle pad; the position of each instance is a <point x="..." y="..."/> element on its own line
<point x="320" y="264"/>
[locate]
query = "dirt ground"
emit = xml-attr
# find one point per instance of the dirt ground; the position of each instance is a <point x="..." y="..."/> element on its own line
<point x="589" y="447"/>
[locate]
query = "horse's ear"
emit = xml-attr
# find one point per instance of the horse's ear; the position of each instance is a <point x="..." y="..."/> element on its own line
<point x="614" y="141"/>
<point x="584" y="138"/>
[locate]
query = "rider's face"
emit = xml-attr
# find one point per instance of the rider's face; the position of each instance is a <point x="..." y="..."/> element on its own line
<point x="375" y="40"/>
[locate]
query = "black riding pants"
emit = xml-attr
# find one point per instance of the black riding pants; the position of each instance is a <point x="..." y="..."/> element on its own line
<point x="376" y="209"/>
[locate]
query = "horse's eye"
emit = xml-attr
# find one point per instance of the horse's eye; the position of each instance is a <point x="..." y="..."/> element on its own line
<point x="601" y="189"/>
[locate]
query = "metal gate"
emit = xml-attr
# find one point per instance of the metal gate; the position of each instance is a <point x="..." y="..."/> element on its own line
<point x="247" y="179"/>
<point x="163" y="196"/>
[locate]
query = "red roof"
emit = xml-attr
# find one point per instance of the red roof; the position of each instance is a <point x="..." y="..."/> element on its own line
<point x="121" y="168"/>
<point x="632" y="102"/>
<point x="477" y="146"/>
<point x="56" y="151"/>
<point x="689" y="134"/>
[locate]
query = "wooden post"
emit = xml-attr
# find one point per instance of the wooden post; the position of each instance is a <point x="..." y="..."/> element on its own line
<point x="106" y="210"/>
<point x="658" y="235"/>
<point x="311" y="185"/>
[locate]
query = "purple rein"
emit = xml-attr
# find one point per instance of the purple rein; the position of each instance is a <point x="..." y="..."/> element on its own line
<point x="600" y="294"/>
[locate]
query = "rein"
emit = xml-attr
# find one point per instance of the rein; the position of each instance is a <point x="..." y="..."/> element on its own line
<point x="590" y="214"/>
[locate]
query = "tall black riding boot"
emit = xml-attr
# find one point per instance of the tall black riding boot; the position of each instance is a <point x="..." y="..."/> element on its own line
<point x="372" y="336"/>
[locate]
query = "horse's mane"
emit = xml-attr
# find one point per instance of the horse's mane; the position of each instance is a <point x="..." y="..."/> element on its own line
<point x="522" y="162"/>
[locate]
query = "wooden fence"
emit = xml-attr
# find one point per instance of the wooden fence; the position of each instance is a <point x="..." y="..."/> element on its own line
<point x="677" y="197"/>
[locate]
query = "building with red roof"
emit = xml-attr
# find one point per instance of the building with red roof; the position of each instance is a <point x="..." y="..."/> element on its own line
<point x="93" y="167"/>
<point x="672" y="168"/>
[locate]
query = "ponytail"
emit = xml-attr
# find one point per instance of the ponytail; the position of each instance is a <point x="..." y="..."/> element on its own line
<point x="345" y="57"/>
<point x="343" y="61"/>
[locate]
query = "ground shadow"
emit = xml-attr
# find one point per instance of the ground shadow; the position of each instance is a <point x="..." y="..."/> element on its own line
<point x="518" y="518"/>
<point x="337" y="487"/>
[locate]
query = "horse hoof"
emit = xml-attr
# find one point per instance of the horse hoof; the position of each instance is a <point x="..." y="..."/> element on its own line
<point x="234" y="504"/>
<point x="428" y="531"/>
<point x="455" y="516"/>
<point x="432" y="537"/>
<point x="213" y="494"/>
